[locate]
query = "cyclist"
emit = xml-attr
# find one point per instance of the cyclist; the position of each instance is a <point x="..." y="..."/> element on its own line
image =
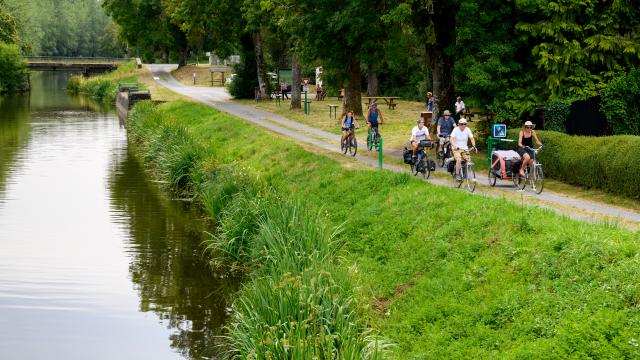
<point x="419" y="133"/>
<point x="460" y="136"/>
<point x="372" y="120"/>
<point x="525" y="144"/>
<point x="446" y="124"/>
<point x="348" y="122"/>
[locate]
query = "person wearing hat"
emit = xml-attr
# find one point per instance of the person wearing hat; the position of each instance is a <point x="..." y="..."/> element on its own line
<point x="445" y="126"/>
<point x="460" y="136"/>
<point x="525" y="144"/>
<point x="372" y="119"/>
<point x="419" y="132"/>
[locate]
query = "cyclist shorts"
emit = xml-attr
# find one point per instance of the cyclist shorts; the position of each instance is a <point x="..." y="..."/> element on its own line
<point x="346" y="129"/>
<point x="374" y="124"/>
<point x="522" y="151"/>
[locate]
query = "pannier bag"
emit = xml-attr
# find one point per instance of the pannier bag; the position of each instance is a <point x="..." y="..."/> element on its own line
<point x="406" y="156"/>
<point x="450" y="163"/>
<point x="426" y="143"/>
<point x="503" y="163"/>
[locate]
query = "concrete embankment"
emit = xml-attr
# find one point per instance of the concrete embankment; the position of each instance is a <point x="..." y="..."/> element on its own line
<point x="127" y="97"/>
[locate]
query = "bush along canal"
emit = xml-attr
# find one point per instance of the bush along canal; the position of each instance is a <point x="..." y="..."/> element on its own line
<point x="344" y="262"/>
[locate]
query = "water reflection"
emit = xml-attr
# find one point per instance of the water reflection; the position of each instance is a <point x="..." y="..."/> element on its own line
<point x="79" y="223"/>
<point x="167" y="265"/>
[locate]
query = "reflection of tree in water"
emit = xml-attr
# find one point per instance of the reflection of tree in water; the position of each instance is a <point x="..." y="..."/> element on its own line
<point x="14" y="131"/>
<point x="167" y="265"/>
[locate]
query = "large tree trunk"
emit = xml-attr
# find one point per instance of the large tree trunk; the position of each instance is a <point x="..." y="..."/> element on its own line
<point x="183" y="57"/>
<point x="296" y="102"/>
<point x="352" y="97"/>
<point x="442" y="64"/>
<point x="372" y="81"/>
<point x="262" y="83"/>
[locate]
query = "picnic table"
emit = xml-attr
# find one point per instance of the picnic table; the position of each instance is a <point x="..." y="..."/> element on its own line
<point x="389" y="100"/>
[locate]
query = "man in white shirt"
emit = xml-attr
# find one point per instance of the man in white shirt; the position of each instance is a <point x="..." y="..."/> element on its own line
<point x="460" y="108"/>
<point x="419" y="132"/>
<point x="460" y="136"/>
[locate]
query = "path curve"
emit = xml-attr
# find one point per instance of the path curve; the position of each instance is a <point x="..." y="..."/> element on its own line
<point x="218" y="98"/>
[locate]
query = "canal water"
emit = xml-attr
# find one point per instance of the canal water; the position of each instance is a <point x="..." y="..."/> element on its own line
<point x="95" y="262"/>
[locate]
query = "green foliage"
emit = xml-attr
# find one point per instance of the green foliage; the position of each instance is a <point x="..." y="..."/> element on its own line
<point x="504" y="280"/>
<point x="621" y="103"/>
<point x="8" y="31"/>
<point x="65" y="28"/>
<point x="104" y="87"/>
<point x="581" y="44"/>
<point x="605" y="162"/>
<point x="245" y="81"/>
<point x="13" y="69"/>
<point x="556" y="113"/>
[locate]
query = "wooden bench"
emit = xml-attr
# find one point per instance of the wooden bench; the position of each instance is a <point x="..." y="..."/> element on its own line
<point x="333" y="109"/>
<point x="389" y="100"/>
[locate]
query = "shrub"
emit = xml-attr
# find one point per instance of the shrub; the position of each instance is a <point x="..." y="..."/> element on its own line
<point x="608" y="162"/>
<point x="556" y="113"/>
<point x="13" y="69"/>
<point x="621" y="104"/>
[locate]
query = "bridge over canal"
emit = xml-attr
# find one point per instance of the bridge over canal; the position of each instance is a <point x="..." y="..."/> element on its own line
<point x="85" y="65"/>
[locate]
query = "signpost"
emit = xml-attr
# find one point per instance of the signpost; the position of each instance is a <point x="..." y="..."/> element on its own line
<point x="305" y="88"/>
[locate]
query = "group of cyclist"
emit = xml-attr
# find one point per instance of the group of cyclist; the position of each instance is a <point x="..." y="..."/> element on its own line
<point x="455" y="137"/>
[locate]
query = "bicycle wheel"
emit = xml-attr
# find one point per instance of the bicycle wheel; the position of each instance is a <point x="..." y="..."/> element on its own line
<point x="470" y="178"/>
<point x="343" y="145"/>
<point x="354" y="145"/>
<point x="369" y="140"/>
<point x="492" y="178"/>
<point x="537" y="181"/>
<point x="415" y="167"/>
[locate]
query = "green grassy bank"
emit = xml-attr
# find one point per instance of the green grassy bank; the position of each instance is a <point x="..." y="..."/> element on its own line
<point x="103" y="87"/>
<point x="439" y="272"/>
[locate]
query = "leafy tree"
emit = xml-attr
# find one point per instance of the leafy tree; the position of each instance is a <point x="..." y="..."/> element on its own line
<point x="581" y="44"/>
<point x="621" y="103"/>
<point x="13" y="69"/>
<point x="8" y="30"/>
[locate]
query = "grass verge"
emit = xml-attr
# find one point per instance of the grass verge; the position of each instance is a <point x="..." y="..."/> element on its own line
<point x="103" y="88"/>
<point x="442" y="273"/>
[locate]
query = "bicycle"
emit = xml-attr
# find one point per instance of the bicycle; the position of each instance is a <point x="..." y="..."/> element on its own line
<point x="422" y="162"/>
<point x="373" y="138"/>
<point x="467" y="173"/>
<point x="442" y="155"/>
<point x="535" y="177"/>
<point x="350" y="144"/>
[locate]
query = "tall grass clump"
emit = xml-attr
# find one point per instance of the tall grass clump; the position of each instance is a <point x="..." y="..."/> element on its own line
<point x="299" y="304"/>
<point x="103" y="87"/>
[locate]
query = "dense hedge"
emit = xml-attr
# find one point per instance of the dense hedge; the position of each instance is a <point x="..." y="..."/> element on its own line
<point x="609" y="162"/>
<point x="556" y="113"/>
<point x="621" y="103"/>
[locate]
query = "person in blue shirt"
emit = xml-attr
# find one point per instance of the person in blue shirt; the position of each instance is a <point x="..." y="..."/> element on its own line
<point x="348" y="122"/>
<point x="373" y="115"/>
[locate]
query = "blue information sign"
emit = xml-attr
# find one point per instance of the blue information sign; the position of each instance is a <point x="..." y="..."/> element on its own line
<point x="499" y="130"/>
